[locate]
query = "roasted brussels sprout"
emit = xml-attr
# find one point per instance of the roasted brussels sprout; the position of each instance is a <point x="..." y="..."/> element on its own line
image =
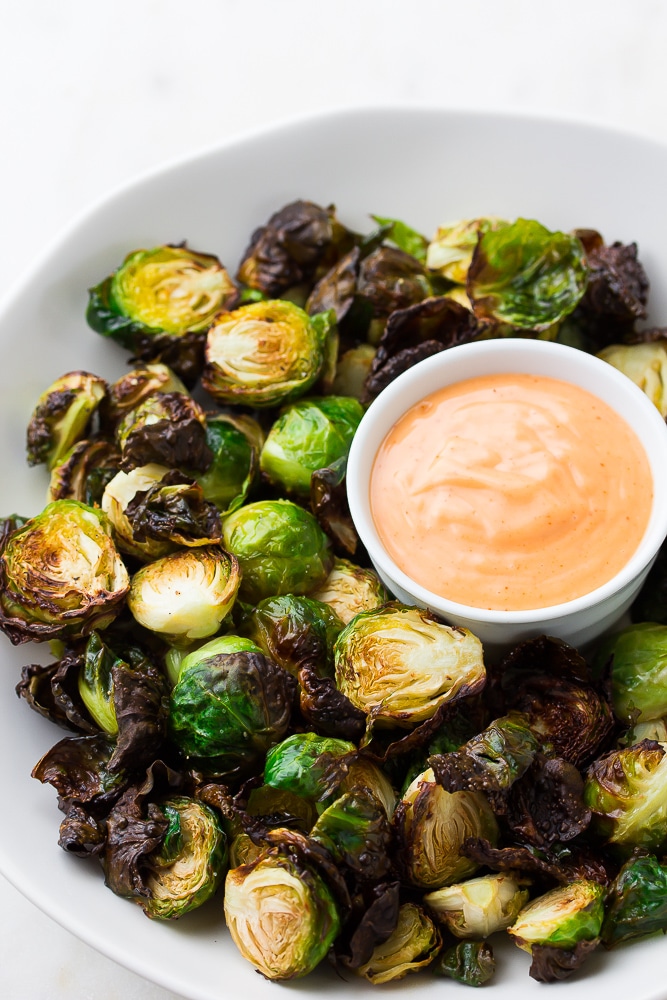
<point x="355" y="831"/>
<point x="469" y="962"/>
<point x="132" y="389"/>
<point x="158" y="302"/>
<point x="645" y="364"/>
<point x="638" y="671"/>
<point x="294" y="631"/>
<point x="350" y="589"/>
<point x="627" y="791"/>
<point x="235" y="442"/>
<point x="168" y="428"/>
<point x="479" y="907"/>
<point x="186" y="658"/>
<point x="637" y="903"/>
<point x="62" y="415"/>
<point x="451" y="249"/>
<point x="309" y="435"/>
<point x="186" y="595"/>
<point x="411" y="946"/>
<point x="61" y="575"/>
<point x="280" y="547"/>
<point x="84" y="472"/>
<point x="352" y="369"/>
<point x="228" y="709"/>
<point x="432" y="824"/>
<point x="298" y="241"/>
<point x="305" y="763"/>
<point x="399" y="664"/>
<point x="118" y="494"/>
<point x="189" y="865"/>
<point x="562" y="917"/>
<point x="524" y="275"/>
<point x="281" y="915"/>
<point x="265" y="353"/>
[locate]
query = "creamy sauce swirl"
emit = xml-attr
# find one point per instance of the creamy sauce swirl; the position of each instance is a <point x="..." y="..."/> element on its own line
<point x="511" y="492"/>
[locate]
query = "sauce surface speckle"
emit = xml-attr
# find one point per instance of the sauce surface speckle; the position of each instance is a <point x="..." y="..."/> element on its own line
<point x="511" y="492"/>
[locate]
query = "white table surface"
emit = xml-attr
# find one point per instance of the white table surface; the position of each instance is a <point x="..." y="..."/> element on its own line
<point x="94" y="93"/>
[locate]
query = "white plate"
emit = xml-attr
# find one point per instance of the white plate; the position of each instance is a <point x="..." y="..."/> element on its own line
<point x="425" y="167"/>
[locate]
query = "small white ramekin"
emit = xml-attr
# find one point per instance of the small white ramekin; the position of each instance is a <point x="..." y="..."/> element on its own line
<point x="578" y="621"/>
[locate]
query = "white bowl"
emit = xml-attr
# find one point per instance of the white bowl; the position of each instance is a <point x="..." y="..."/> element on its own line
<point x="424" y="166"/>
<point x="577" y="621"/>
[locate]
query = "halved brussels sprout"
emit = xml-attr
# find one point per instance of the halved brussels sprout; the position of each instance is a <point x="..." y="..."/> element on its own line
<point x="627" y="791"/>
<point x="84" y="472"/>
<point x="280" y="547"/>
<point x="352" y="370"/>
<point x="281" y="915"/>
<point x="118" y="494"/>
<point x="524" y="275"/>
<point x="350" y="589"/>
<point x="186" y="595"/>
<point x="235" y="442"/>
<point x="399" y="664"/>
<point x="645" y="364"/>
<point x="265" y="353"/>
<point x="304" y="763"/>
<point x="167" y="289"/>
<point x="133" y="388"/>
<point x="168" y="428"/>
<point x="229" y="708"/>
<point x="451" y="249"/>
<point x="479" y="907"/>
<point x="189" y="865"/>
<point x="295" y="631"/>
<point x="432" y="825"/>
<point x="61" y="416"/>
<point x="61" y="575"/>
<point x="561" y="917"/>
<point x="638" y="674"/>
<point x="309" y="435"/>
<point x="411" y="946"/>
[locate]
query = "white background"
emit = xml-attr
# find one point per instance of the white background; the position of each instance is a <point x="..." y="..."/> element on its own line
<point x="94" y="92"/>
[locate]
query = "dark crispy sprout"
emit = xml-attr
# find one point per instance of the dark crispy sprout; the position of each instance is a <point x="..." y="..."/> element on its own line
<point x="308" y="435"/>
<point x="228" y="709"/>
<point x="552" y="685"/>
<point x="168" y="428"/>
<point x="280" y="547"/>
<point x="329" y="504"/>
<point x="637" y="903"/>
<point x="468" y="962"/>
<point x="62" y="416"/>
<point x="265" y="353"/>
<point x="526" y="276"/>
<point x="411" y="946"/>
<point x="298" y="242"/>
<point x="235" y="442"/>
<point x="294" y="631"/>
<point x="61" y="575"/>
<point x="185" y="596"/>
<point x="281" y="914"/>
<point x="616" y="294"/>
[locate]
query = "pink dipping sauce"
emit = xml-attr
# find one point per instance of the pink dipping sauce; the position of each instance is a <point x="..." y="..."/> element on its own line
<point x="511" y="492"/>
